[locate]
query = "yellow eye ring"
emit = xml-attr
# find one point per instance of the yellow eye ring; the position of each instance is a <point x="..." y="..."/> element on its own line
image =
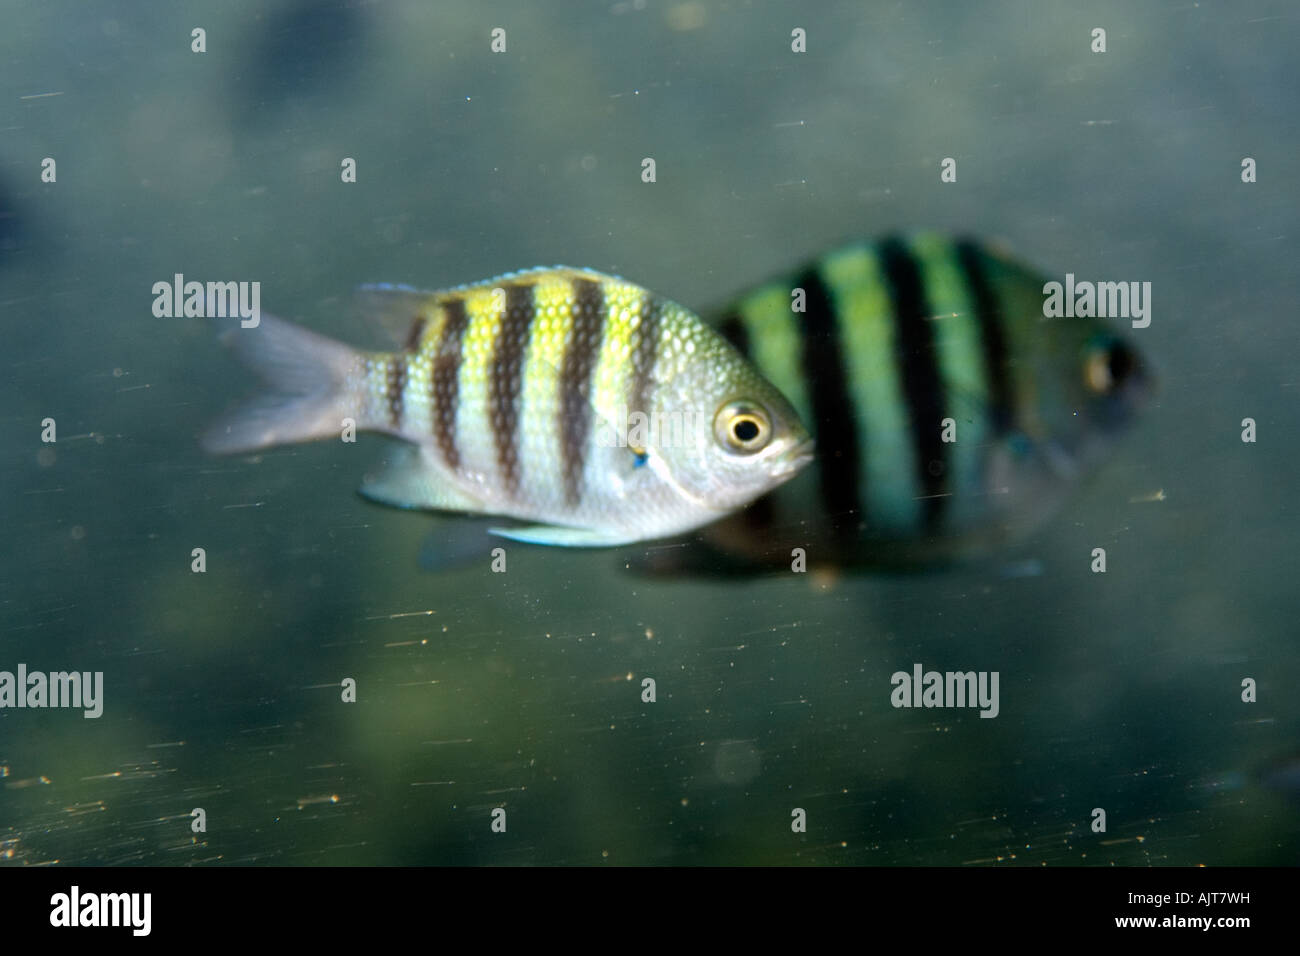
<point x="742" y="428"/>
<point x="1106" y="367"/>
<point x="1096" y="372"/>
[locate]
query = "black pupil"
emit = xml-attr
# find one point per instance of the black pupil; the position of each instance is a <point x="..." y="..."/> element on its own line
<point x="1120" y="364"/>
<point x="745" y="430"/>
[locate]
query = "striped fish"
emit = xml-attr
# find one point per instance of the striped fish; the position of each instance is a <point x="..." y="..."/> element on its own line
<point x="950" y="416"/>
<point x="578" y="401"/>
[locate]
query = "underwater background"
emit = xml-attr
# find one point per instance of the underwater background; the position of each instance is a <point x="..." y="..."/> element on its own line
<point x="478" y="690"/>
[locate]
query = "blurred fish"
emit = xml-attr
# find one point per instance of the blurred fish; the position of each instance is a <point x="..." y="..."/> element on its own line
<point x="901" y="341"/>
<point x="300" y="50"/>
<point x="516" y="395"/>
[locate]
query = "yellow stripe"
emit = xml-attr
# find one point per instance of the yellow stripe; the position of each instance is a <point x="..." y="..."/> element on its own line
<point x="612" y="377"/>
<point x="961" y="369"/>
<point x="474" y="435"/>
<point x="776" y="344"/>
<point x="887" y="452"/>
<point x="539" y="432"/>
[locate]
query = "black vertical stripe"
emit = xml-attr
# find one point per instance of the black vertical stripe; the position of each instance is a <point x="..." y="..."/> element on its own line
<point x="643" y="356"/>
<point x="507" y="379"/>
<point x="918" y="361"/>
<point x="445" y="383"/>
<point x="833" y="425"/>
<point x="585" y="333"/>
<point x="413" y="337"/>
<point x="395" y="387"/>
<point x="993" y="341"/>
<point x="734" y="331"/>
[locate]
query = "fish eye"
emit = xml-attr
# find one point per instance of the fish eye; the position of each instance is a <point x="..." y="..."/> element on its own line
<point x="742" y="427"/>
<point x="1108" y="365"/>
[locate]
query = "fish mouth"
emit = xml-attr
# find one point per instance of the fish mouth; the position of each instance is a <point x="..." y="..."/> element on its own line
<point x="795" y="460"/>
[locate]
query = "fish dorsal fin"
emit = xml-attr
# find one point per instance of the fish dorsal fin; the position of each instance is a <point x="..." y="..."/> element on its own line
<point x="397" y="309"/>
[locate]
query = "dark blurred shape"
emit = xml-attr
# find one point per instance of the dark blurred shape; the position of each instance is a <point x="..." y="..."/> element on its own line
<point x="1283" y="776"/>
<point x="14" y="233"/>
<point x="300" y="52"/>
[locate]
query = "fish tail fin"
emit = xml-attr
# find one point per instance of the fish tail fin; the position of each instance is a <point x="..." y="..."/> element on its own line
<point x="312" y="381"/>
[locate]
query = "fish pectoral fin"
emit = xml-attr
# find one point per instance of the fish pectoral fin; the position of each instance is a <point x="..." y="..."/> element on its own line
<point x="562" y="536"/>
<point x="410" y="480"/>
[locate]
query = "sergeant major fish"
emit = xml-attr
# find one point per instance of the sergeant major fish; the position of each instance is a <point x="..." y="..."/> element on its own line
<point x="950" y="416"/>
<point x="512" y="394"/>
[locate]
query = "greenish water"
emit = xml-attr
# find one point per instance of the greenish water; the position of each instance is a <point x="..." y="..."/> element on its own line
<point x="522" y="690"/>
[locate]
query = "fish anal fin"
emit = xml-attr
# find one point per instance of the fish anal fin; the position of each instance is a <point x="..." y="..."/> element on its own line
<point x="562" y="536"/>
